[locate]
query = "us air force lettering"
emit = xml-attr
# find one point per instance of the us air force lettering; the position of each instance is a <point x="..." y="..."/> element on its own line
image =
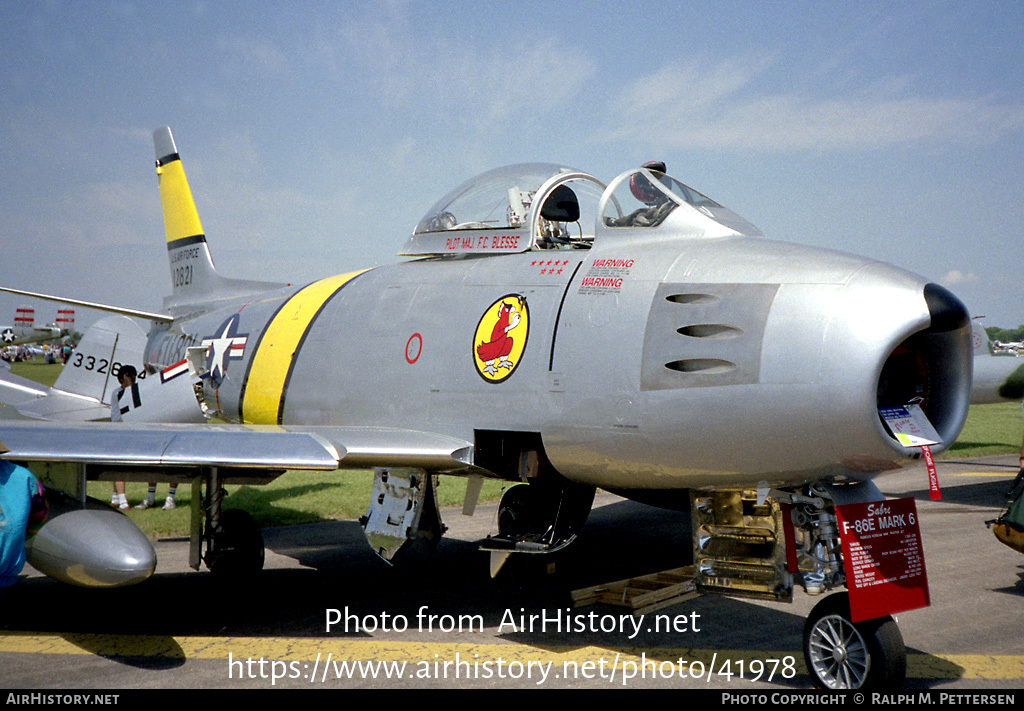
<point x="552" y="330"/>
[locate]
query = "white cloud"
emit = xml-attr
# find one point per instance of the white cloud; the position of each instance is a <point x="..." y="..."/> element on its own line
<point x="487" y="85"/>
<point x="955" y="277"/>
<point x="699" y="104"/>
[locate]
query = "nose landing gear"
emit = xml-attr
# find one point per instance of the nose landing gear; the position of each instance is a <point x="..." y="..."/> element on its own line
<point x="841" y="654"/>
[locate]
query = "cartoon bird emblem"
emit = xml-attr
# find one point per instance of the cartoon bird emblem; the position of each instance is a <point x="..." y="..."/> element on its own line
<point x="501" y="338"/>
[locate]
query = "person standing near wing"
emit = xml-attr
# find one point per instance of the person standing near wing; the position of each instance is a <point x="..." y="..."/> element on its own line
<point x="118" y="406"/>
<point x="124" y="400"/>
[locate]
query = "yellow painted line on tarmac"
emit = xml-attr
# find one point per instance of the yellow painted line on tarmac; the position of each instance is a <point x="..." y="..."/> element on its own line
<point x="919" y="666"/>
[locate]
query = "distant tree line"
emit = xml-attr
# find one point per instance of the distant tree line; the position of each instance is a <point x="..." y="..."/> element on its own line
<point x="1005" y="335"/>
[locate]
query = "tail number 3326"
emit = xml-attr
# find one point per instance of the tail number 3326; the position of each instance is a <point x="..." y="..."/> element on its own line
<point x="89" y="362"/>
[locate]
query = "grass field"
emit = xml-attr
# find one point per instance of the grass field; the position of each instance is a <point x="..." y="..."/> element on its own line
<point x="303" y="497"/>
<point x="37" y="370"/>
<point x="295" y="497"/>
<point x="990" y="429"/>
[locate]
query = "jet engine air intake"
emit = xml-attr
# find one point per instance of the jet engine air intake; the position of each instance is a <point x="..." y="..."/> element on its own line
<point x="933" y="367"/>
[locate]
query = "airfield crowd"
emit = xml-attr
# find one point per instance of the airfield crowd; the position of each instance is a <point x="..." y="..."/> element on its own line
<point x="52" y="353"/>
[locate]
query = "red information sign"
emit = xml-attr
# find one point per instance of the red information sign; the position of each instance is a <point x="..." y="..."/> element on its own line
<point x="883" y="558"/>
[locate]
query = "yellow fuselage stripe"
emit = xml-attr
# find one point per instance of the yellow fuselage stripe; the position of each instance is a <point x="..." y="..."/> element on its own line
<point x="180" y="216"/>
<point x="278" y="347"/>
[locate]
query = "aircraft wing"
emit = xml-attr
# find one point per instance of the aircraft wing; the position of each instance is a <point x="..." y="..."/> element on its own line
<point x="236" y="446"/>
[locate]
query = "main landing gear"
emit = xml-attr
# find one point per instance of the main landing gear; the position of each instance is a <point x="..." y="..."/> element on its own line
<point x="403" y="520"/>
<point x="234" y="545"/>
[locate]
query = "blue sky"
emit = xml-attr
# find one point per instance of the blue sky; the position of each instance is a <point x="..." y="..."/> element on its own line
<point x="315" y="135"/>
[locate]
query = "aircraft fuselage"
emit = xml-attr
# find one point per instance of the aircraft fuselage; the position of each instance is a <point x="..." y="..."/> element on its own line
<point x="640" y="363"/>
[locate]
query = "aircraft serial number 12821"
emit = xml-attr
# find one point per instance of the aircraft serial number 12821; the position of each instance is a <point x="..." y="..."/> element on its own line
<point x="636" y="337"/>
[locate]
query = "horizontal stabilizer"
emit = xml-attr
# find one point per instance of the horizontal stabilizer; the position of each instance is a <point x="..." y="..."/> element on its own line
<point x="16" y="391"/>
<point x="54" y="404"/>
<point x="85" y="386"/>
<point x="37" y="401"/>
<point x="147" y="315"/>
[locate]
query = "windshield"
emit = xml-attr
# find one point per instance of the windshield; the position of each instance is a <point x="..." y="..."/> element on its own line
<point x="647" y="198"/>
<point x="688" y="194"/>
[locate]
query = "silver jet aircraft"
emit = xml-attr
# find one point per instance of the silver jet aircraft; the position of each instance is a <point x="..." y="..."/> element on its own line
<point x="552" y="330"/>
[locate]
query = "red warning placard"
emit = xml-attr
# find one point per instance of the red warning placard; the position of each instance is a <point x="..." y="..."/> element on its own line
<point x="883" y="557"/>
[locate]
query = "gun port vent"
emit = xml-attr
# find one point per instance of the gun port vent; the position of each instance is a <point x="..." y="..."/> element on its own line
<point x="710" y="330"/>
<point x="705" y="366"/>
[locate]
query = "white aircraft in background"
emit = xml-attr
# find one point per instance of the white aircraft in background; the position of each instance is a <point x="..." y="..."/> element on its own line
<point x="1009" y="346"/>
<point x="24" y="329"/>
<point x="997" y="378"/>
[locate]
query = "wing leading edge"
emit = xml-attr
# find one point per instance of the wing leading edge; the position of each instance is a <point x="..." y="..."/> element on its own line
<point x="240" y="446"/>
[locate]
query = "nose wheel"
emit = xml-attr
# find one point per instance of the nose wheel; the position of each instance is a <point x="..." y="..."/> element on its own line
<point x="842" y="654"/>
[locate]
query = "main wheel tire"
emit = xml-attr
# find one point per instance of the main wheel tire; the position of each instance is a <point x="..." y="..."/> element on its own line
<point x="516" y="512"/>
<point x="842" y="654"/>
<point x="239" y="547"/>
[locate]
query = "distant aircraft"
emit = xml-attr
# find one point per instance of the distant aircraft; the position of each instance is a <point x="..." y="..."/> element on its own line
<point x="24" y="329"/>
<point x="549" y="329"/>
<point x="1008" y="346"/>
<point x="996" y="378"/>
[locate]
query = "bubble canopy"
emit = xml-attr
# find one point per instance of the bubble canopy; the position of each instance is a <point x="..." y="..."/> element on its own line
<point x="543" y="206"/>
<point x="484" y="202"/>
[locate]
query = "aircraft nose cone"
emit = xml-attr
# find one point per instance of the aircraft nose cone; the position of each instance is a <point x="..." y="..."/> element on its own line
<point x="893" y="339"/>
<point x="92" y="548"/>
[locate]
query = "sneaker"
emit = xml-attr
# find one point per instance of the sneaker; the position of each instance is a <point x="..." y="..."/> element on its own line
<point x="147" y="503"/>
<point x="125" y="506"/>
<point x="169" y="503"/>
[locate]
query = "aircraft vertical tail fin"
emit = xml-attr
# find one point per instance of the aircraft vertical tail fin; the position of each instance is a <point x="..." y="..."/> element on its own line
<point x="66" y="320"/>
<point x="194" y="278"/>
<point x="192" y="271"/>
<point x="980" y="342"/>
<point x="24" y="317"/>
